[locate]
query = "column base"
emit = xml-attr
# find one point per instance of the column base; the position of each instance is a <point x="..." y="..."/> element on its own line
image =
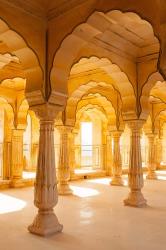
<point x="16" y="183"/>
<point x="135" y="199"/>
<point x="64" y="189"/>
<point x="151" y="176"/>
<point x="73" y="176"/>
<point x="45" y="223"/>
<point x="116" y="181"/>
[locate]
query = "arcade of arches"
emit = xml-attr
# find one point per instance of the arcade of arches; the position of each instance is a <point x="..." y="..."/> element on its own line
<point x="82" y="94"/>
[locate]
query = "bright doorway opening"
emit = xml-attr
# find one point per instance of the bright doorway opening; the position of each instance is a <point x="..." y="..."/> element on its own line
<point x="86" y="144"/>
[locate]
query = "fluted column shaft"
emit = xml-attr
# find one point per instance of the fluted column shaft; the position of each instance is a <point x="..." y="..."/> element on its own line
<point x="46" y="195"/>
<point x="109" y="155"/>
<point x="152" y="158"/>
<point x="17" y="158"/>
<point x="135" y="176"/>
<point x="63" y="166"/>
<point x="159" y="151"/>
<point x="72" y="162"/>
<point x="117" y="161"/>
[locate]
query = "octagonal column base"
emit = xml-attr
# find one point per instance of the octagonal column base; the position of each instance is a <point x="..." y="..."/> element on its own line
<point x="45" y="223"/>
<point x="17" y="183"/>
<point x="116" y="181"/>
<point x="151" y="176"/>
<point x="64" y="189"/>
<point x="135" y="199"/>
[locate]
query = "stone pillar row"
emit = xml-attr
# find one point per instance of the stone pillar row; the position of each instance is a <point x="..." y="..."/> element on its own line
<point x="46" y="192"/>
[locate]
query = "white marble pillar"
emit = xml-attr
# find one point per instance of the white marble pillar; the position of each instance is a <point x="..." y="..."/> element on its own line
<point x="46" y="195"/>
<point x="117" y="161"/>
<point x="17" y="158"/>
<point x="135" y="176"/>
<point x="152" y="158"/>
<point x="63" y="166"/>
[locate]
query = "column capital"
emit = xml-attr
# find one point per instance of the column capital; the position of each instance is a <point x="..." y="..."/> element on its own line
<point x="16" y="131"/>
<point x="46" y="111"/>
<point x="75" y="131"/>
<point x="135" y="124"/>
<point x="64" y="129"/>
<point x="151" y="135"/>
<point x="116" y="133"/>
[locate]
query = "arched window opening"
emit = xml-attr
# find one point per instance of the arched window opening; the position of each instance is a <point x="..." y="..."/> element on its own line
<point x="86" y="144"/>
<point x="89" y="145"/>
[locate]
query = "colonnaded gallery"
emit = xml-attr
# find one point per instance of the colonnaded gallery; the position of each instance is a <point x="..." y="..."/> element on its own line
<point x="83" y="124"/>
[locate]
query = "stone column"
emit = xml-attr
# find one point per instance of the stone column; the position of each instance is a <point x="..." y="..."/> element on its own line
<point x="135" y="176"/>
<point x="117" y="161"/>
<point x="159" y="145"/>
<point x="109" y="155"/>
<point x="103" y="152"/>
<point x="72" y="162"/>
<point x="152" y="158"/>
<point x="17" y="158"/>
<point x="63" y="166"/>
<point x="46" y="195"/>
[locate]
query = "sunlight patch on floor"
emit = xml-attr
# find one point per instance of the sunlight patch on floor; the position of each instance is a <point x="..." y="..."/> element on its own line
<point x="84" y="192"/>
<point x="105" y="181"/>
<point x="160" y="177"/>
<point x="10" y="204"/>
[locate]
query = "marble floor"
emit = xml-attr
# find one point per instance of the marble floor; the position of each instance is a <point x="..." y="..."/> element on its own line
<point x="94" y="218"/>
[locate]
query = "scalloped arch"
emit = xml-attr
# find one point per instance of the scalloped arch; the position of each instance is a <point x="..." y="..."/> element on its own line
<point x="17" y="46"/>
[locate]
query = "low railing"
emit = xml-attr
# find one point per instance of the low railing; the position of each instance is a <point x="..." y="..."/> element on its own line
<point x="89" y="155"/>
<point x="94" y="155"/>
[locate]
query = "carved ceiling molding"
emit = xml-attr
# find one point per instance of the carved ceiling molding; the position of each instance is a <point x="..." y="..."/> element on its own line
<point x="42" y="8"/>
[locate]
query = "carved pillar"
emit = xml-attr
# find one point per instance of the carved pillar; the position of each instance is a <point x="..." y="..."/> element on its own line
<point x="72" y="162"/>
<point x="7" y="155"/>
<point x="17" y="158"/>
<point x="109" y="155"/>
<point x="46" y="195"/>
<point x="63" y="166"/>
<point x="159" y="145"/>
<point x="135" y="176"/>
<point x="103" y="151"/>
<point x="117" y="161"/>
<point x="152" y="157"/>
